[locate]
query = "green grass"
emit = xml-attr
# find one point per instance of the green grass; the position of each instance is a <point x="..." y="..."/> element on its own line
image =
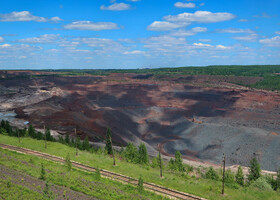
<point x="10" y="191"/>
<point x="197" y="186"/>
<point x="75" y="179"/>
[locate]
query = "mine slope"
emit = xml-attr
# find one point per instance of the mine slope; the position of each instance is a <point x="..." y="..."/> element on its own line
<point x="202" y="122"/>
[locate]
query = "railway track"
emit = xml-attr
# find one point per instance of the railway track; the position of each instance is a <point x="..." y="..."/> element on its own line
<point x="108" y="174"/>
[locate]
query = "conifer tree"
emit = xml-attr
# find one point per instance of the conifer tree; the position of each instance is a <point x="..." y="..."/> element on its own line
<point x="48" y="134"/>
<point x="254" y="170"/>
<point x="31" y="131"/>
<point x="108" y="146"/>
<point x="86" y="144"/>
<point x="239" y="177"/>
<point x="278" y="180"/>
<point x="140" y="184"/>
<point x="131" y="153"/>
<point x="68" y="162"/>
<point x="178" y="162"/>
<point x="43" y="172"/>
<point x="143" y="154"/>
<point x="67" y="139"/>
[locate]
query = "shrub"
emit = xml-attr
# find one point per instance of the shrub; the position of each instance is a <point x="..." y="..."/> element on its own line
<point x="97" y="174"/>
<point x="68" y="163"/>
<point x="43" y="172"/>
<point x="255" y="170"/>
<point x="131" y="153"/>
<point x="86" y="144"/>
<point x="108" y="146"/>
<point x="262" y="184"/>
<point x="142" y="154"/>
<point x="229" y="176"/>
<point x="140" y="184"/>
<point x="212" y="174"/>
<point x="239" y="177"/>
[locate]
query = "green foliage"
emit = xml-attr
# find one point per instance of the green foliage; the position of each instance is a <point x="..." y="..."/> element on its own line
<point x="177" y="164"/>
<point x="31" y="132"/>
<point x="108" y="146"/>
<point x="143" y="154"/>
<point x="48" y="194"/>
<point x="68" y="163"/>
<point x="254" y="170"/>
<point x="131" y="153"/>
<point x="239" y="176"/>
<point x="43" y="172"/>
<point x="78" y="143"/>
<point x="156" y="162"/>
<point x="48" y="134"/>
<point x="262" y="184"/>
<point x="97" y="174"/>
<point x="86" y="144"/>
<point x="212" y="174"/>
<point x="140" y="185"/>
<point x="229" y="176"/>
<point x="278" y="180"/>
<point x="67" y="139"/>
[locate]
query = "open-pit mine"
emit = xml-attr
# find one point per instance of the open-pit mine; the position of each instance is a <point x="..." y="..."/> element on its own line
<point x="200" y="121"/>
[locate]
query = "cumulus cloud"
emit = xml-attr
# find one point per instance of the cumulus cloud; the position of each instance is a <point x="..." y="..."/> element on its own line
<point x="200" y="17"/>
<point x="1" y="39"/>
<point x="25" y="16"/>
<point x="92" y="26"/>
<point x="247" y="38"/>
<point x="184" y="5"/>
<point x="234" y="30"/>
<point x="277" y="32"/>
<point x="272" y="42"/>
<point x="116" y="7"/>
<point x="193" y="31"/>
<point x="47" y="38"/>
<point x="135" y="52"/>
<point x="209" y="46"/>
<point x="165" y="26"/>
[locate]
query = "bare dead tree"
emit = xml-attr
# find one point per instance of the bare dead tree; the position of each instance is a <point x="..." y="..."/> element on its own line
<point x="224" y="168"/>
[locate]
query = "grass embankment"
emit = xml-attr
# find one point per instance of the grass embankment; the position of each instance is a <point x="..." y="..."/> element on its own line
<point x="57" y="174"/>
<point x="187" y="183"/>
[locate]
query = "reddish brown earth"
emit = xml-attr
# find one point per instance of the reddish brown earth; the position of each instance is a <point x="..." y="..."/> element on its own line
<point x="201" y="122"/>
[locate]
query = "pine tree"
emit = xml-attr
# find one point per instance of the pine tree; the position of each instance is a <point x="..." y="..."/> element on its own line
<point x="171" y="164"/>
<point x="178" y="162"/>
<point x="143" y="154"/>
<point x="3" y="124"/>
<point x="86" y="144"/>
<point x="48" y="134"/>
<point x="278" y="180"/>
<point x="97" y="174"/>
<point x="78" y="143"/>
<point x="108" y="146"/>
<point x="43" y="172"/>
<point x="68" y="163"/>
<point x="255" y="170"/>
<point x="131" y="153"/>
<point x="212" y="174"/>
<point x="31" y="131"/>
<point x="140" y="184"/>
<point x="67" y="139"/>
<point x="239" y="177"/>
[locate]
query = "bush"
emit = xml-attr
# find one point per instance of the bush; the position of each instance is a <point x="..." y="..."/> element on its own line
<point x="229" y="176"/>
<point x="255" y="170"/>
<point x="142" y="154"/>
<point x="108" y="146"/>
<point x="43" y="172"/>
<point x="97" y="174"/>
<point x="239" y="177"/>
<point x="262" y="184"/>
<point x="68" y="163"/>
<point x="212" y="174"/>
<point x="140" y="184"/>
<point x="131" y="153"/>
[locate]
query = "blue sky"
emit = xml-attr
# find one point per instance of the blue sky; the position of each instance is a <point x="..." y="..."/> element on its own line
<point x="95" y="34"/>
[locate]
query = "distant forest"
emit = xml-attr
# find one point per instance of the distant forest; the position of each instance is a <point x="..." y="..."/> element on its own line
<point x="269" y="73"/>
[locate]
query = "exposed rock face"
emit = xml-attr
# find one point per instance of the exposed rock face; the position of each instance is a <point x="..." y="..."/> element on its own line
<point x="201" y="122"/>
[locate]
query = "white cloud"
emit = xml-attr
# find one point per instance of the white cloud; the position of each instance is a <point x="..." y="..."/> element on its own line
<point x="92" y="26"/>
<point x="247" y="38"/>
<point x="201" y="17"/>
<point x="5" y="45"/>
<point x="165" y="26"/>
<point x="193" y="31"/>
<point x="135" y="52"/>
<point x="211" y="47"/>
<point x="116" y="7"/>
<point x="234" y="30"/>
<point x="184" y="5"/>
<point x="201" y="45"/>
<point x="277" y="32"/>
<point x="47" y="38"/>
<point x="272" y="42"/>
<point x="205" y="40"/>
<point x="25" y="16"/>
<point x="134" y="0"/>
<point x="1" y="39"/>
<point x="243" y="20"/>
